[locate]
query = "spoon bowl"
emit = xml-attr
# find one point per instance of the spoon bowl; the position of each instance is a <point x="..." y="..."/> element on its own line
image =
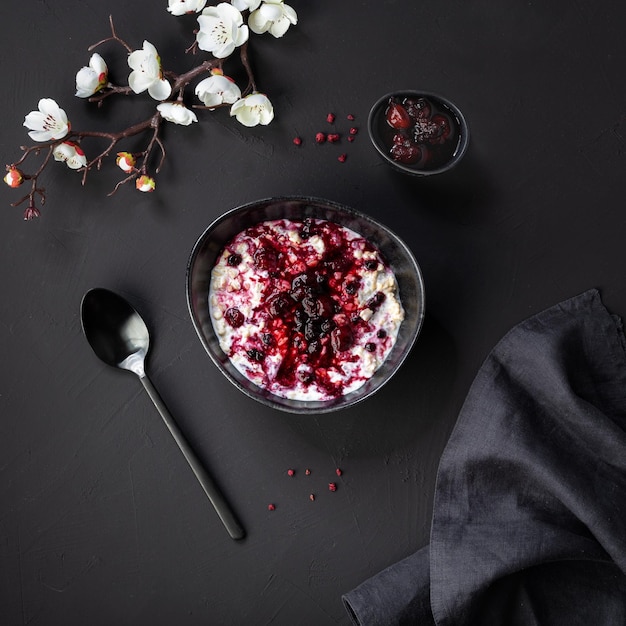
<point x="115" y="331"/>
<point x="119" y="337"/>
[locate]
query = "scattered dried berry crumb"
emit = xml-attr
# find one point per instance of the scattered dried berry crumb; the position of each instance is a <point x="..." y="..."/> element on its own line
<point x="330" y="118"/>
<point x="320" y="137"/>
<point x="333" y="137"/>
<point x="350" y="138"/>
<point x="338" y="472"/>
<point x="307" y="471"/>
<point x="297" y="141"/>
<point x="312" y="497"/>
<point x="350" y="116"/>
<point x="342" y="158"/>
<point x="290" y="472"/>
<point x="332" y="486"/>
<point x="271" y="507"/>
<point x="354" y="130"/>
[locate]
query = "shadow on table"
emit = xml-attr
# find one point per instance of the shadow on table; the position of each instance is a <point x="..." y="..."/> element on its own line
<point x="411" y="404"/>
<point x="463" y="195"/>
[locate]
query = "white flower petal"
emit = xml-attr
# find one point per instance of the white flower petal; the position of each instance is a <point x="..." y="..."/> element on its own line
<point x="50" y="122"/>
<point x="243" y="5"/>
<point x="271" y="12"/>
<point x="97" y="64"/>
<point x="139" y="81"/>
<point x="280" y="27"/>
<point x="257" y="23"/>
<point x="160" y="89"/>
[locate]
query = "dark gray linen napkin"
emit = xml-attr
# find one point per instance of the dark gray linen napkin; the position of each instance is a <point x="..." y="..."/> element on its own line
<point x="529" y="521"/>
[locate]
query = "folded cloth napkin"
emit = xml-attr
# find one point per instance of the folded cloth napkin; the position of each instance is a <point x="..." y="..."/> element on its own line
<point x="529" y="521"/>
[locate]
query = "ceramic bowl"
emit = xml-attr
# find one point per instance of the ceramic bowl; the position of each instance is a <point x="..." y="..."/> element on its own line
<point x="210" y="244"/>
<point x="434" y="137"/>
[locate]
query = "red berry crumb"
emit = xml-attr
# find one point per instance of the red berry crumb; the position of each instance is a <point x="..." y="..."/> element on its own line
<point x="350" y="138"/>
<point x="330" y="118"/>
<point x="312" y="497"/>
<point x="354" y="130"/>
<point x="320" y="137"/>
<point x="290" y="472"/>
<point x="333" y="137"/>
<point x="350" y="116"/>
<point x="338" y="472"/>
<point x="332" y="486"/>
<point x="307" y="471"/>
<point x="342" y="158"/>
<point x="297" y="141"/>
<point x="271" y="507"/>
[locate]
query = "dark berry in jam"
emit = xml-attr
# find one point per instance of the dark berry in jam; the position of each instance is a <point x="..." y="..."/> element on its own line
<point x="382" y="333"/>
<point x="370" y="346"/>
<point x="428" y="141"/>
<point x="341" y="338"/>
<point x="397" y="116"/>
<point x="418" y="108"/>
<point x="234" y="317"/>
<point x="256" y="355"/>
<point x="371" y="264"/>
<point x="234" y="260"/>
<point x="406" y="152"/>
<point x="279" y="305"/>
<point x="265" y="258"/>
<point x="376" y="300"/>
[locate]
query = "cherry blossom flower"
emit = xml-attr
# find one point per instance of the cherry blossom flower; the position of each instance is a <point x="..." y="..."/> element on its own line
<point x="221" y="30"/>
<point x="147" y="74"/>
<point x="217" y="89"/>
<point x="177" y="113"/>
<point x="50" y="122"/>
<point x="14" y="177"/>
<point x="243" y="5"/>
<point x="145" y="183"/>
<point x="125" y="161"/>
<point x="181" y="7"/>
<point x="71" y="153"/>
<point x="274" y="16"/>
<point x="90" y="79"/>
<point x="252" y="110"/>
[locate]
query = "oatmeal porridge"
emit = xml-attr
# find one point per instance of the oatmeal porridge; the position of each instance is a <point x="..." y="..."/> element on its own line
<point x="308" y="310"/>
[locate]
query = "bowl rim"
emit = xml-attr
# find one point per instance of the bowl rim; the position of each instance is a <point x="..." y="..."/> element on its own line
<point x="303" y="407"/>
<point x="463" y="144"/>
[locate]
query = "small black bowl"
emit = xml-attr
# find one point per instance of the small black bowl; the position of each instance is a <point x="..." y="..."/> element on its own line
<point x="434" y="158"/>
<point x="395" y="252"/>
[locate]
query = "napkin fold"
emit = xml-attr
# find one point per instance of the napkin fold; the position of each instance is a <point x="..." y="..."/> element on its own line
<point x="529" y="521"/>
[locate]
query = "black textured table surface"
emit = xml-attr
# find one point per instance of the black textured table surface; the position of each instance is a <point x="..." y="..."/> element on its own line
<point x="101" y="520"/>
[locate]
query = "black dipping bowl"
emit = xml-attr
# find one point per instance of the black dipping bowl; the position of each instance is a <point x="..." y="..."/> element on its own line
<point x="380" y="133"/>
<point x="393" y="250"/>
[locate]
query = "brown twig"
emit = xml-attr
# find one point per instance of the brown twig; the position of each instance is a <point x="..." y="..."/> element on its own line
<point x="179" y="83"/>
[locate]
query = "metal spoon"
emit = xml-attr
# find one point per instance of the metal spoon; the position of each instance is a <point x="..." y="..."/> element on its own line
<point x="119" y="336"/>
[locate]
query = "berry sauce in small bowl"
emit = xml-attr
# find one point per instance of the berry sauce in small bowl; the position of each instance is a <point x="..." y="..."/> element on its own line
<point x="418" y="133"/>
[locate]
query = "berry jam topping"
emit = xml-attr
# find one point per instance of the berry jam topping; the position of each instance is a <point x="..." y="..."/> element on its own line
<point x="397" y="116"/>
<point x="303" y="302"/>
<point x="234" y="317"/>
<point x="419" y="132"/>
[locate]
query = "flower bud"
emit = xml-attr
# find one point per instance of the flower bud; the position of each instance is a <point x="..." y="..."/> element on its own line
<point x="31" y="213"/>
<point x="145" y="183"/>
<point x="125" y="161"/>
<point x="14" y="177"/>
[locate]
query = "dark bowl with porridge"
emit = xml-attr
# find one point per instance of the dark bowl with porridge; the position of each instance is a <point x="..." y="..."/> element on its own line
<point x="305" y="305"/>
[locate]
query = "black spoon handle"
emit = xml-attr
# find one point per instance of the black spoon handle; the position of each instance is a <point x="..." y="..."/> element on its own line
<point x="208" y="484"/>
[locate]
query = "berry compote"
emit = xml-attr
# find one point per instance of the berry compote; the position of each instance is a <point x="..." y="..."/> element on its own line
<point x="308" y="310"/>
<point x="420" y="132"/>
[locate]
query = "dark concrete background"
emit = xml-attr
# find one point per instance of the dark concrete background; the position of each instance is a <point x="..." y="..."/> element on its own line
<point x="101" y="521"/>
